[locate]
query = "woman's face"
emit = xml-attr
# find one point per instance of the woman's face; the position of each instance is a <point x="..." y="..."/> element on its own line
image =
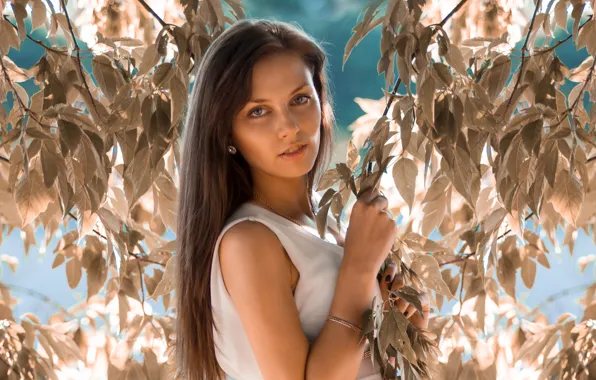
<point x="283" y="110"/>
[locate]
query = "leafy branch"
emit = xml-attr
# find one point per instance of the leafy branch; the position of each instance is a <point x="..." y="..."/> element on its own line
<point x="524" y="50"/>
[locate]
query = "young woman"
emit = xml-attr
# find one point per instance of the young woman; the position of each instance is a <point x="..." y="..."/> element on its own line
<point x="260" y="295"/>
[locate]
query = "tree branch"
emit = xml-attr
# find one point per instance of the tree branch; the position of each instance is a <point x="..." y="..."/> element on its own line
<point x="150" y="10"/>
<point x="562" y="293"/>
<point x="468" y="255"/>
<point x="523" y="58"/>
<point x="24" y="108"/>
<point x="135" y="255"/>
<point x="78" y="56"/>
<point x="452" y="13"/>
<point x="34" y="40"/>
<point x="398" y="81"/>
<point x="40" y="296"/>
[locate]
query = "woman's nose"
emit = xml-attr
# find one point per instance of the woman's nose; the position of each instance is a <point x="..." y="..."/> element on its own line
<point x="288" y="124"/>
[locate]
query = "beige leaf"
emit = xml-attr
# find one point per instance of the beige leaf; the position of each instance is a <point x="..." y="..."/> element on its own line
<point x="586" y="36"/>
<point x="361" y="30"/>
<point x="12" y="261"/>
<point x="58" y="260"/>
<point x="455" y="59"/>
<point x="50" y="161"/>
<point x="166" y="285"/>
<point x="16" y="74"/>
<point x="528" y="272"/>
<point x="123" y="309"/>
<point x="352" y="157"/>
<point x="567" y="196"/>
<point x="496" y="77"/>
<point x="330" y="178"/>
<point x="39" y="14"/>
<point x="426" y="98"/>
<point x="437" y="189"/>
<point x="178" y="97"/>
<point x="31" y="197"/>
<point x="484" y="355"/>
<point x="108" y="78"/>
<point x="404" y="176"/>
<point x="97" y="273"/>
<point x="73" y="272"/>
<point x="428" y="269"/>
<point x="434" y="213"/>
<point x="561" y="14"/>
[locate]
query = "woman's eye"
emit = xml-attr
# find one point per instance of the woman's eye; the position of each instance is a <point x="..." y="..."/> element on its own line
<point x="303" y="96"/>
<point x="252" y="113"/>
<point x="255" y="115"/>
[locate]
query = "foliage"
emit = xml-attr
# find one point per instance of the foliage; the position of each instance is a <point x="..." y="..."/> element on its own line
<point x="474" y="149"/>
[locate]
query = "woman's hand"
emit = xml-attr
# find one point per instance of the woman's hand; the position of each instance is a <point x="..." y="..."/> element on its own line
<point x="390" y="281"/>
<point x="370" y="235"/>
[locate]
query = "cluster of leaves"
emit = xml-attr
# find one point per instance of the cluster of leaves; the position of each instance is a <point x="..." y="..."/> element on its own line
<point x="475" y="150"/>
<point x="99" y="147"/>
<point x="496" y="148"/>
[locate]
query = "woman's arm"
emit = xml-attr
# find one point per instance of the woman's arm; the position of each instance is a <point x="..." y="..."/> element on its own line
<point x="256" y="272"/>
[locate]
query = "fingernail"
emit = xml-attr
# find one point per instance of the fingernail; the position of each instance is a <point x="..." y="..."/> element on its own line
<point x="388" y="278"/>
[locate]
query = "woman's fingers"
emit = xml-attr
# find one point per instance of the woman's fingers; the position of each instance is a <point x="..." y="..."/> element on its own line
<point x="401" y="305"/>
<point x="386" y="280"/>
<point x="410" y="310"/>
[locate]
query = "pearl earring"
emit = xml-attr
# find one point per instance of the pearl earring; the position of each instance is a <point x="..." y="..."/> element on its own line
<point x="231" y="149"/>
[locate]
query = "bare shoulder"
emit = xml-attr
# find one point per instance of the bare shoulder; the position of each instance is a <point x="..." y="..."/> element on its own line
<point x="250" y="252"/>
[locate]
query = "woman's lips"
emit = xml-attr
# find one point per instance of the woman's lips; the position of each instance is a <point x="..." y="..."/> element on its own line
<point x="295" y="154"/>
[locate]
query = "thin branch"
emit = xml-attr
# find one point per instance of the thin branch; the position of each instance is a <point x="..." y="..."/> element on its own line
<point x="40" y="296"/>
<point x="150" y="10"/>
<point x="15" y="94"/>
<point x="34" y="40"/>
<point x="468" y="255"/>
<point x="581" y="92"/>
<point x="453" y="12"/>
<point x="565" y="39"/>
<point x="523" y="57"/>
<point x="78" y="56"/>
<point x="135" y="255"/>
<point x="398" y="81"/>
<point x="562" y="293"/>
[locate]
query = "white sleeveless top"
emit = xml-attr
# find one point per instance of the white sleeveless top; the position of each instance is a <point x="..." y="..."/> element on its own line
<point x="317" y="262"/>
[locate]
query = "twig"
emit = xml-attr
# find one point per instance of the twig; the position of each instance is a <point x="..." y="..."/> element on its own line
<point x="34" y="40"/>
<point x="15" y="94"/>
<point x="562" y="293"/>
<point x="581" y="92"/>
<point x="78" y="56"/>
<point x="135" y="255"/>
<point x="40" y="296"/>
<point x="468" y="255"/>
<point x="461" y="290"/>
<point x="523" y="57"/>
<point x="150" y="10"/>
<point x="453" y="12"/>
<point x="564" y="39"/>
<point x="398" y="81"/>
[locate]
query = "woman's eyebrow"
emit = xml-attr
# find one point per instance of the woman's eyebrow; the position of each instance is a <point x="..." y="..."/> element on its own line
<point x="265" y="100"/>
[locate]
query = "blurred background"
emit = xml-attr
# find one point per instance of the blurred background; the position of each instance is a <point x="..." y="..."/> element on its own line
<point x="42" y="290"/>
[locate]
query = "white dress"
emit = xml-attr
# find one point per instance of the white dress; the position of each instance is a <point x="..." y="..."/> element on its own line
<point x="317" y="262"/>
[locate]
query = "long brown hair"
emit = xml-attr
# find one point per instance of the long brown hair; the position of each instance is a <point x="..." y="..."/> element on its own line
<point x="213" y="183"/>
